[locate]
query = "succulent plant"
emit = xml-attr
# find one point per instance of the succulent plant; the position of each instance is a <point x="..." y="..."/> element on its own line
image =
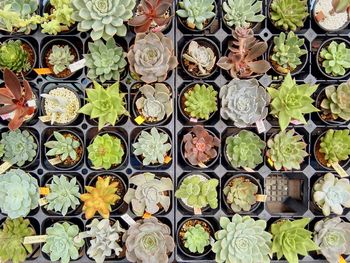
<point x="332" y="194"/>
<point x="196" y="238"/>
<point x="151" y="57"/>
<point x="245" y="149"/>
<point x="106" y="151"/>
<point x="60" y="57"/>
<point x="147" y="241"/>
<point x="106" y="104"/>
<point x="337" y="101"/>
<point x="340" y="6"/>
<point x="200" y="146"/>
<point x="288" y="14"/>
<point x="335" y="145"/>
<point x="332" y="235"/>
<point x="240" y="194"/>
<point x="19" y="193"/>
<point x="105" y="61"/>
<point x="151" y="194"/>
<point x="100" y="198"/>
<point x="242" y="60"/>
<point x="105" y="17"/>
<point x="197" y="191"/>
<point x="242" y="13"/>
<point x="65" y="146"/>
<point x="242" y="239"/>
<point x="61" y="243"/>
<point x="11" y="240"/>
<point x="200" y="101"/>
<point x="244" y="102"/>
<point x="63" y="195"/>
<point x="287" y="51"/>
<point x="14" y="57"/>
<point x="201" y="59"/>
<point x="290" y="238"/>
<point x="19" y="147"/>
<point x="335" y="59"/>
<point x="155" y="102"/>
<point x="104" y="238"/>
<point x="287" y="150"/>
<point x="291" y="101"/>
<point x="196" y="12"/>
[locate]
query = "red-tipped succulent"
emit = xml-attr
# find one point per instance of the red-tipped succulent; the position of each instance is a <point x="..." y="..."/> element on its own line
<point x="200" y="146"/>
<point x="14" y="98"/>
<point x="151" y="14"/>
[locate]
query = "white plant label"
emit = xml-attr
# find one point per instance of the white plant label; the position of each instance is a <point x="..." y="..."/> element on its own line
<point x="339" y="170"/>
<point x="77" y="65"/>
<point x="128" y="219"/>
<point x="31" y="103"/>
<point x="8" y="115"/>
<point x="4" y="167"/>
<point x="260" y="126"/>
<point x="34" y="239"/>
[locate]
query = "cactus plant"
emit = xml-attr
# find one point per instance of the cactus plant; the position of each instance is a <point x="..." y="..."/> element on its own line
<point x="291" y="101"/>
<point x="100" y="198"/>
<point x="60" y="58"/>
<point x="200" y="101"/>
<point x="151" y="194"/>
<point x="244" y="102"/>
<point x="335" y="59"/>
<point x="237" y="240"/>
<point x="287" y="150"/>
<point x="196" y="238"/>
<point x="245" y="149"/>
<point x="13" y="56"/>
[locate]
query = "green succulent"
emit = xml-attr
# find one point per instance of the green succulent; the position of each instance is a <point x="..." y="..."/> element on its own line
<point x="11" y="240"/>
<point x="289" y="15"/>
<point x="106" y="104"/>
<point x="337" y="101"/>
<point x="245" y="149"/>
<point x="61" y="243"/>
<point x="287" y="51"/>
<point x="14" y="57"/>
<point x="152" y="146"/>
<point x="335" y="59"/>
<point x="240" y="194"/>
<point x="198" y="192"/>
<point x="242" y="240"/>
<point x="335" y="145"/>
<point x="201" y="101"/>
<point x="60" y="58"/>
<point x="19" y="193"/>
<point x="196" y="239"/>
<point x="19" y="147"/>
<point x="64" y="194"/>
<point x="287" y="150"/>
<point x="290" y="238"/>
<point x="106" y="151"/>
<point x="242" y="13"/>
<point x="196" y="12"/>
<point x="64" y="146"/>
<point x="291" y="101"/>
<point x="105" y="61"/>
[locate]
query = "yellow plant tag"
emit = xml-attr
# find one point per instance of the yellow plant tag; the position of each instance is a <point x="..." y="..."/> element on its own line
<point x="43" y="201"/>
<point x="34" y="239"/>
<point x="261" y="198"/>
<point x="4" y="167"/>
<point x="342" y="260"/>
<point x="43" y="71"/>
<point x="197" y="211"/>
<point x="339" y="170"/>
<point x="45" y="118"/>
<point x="270" y="161"/>
<point x="55" y="161"/>
<point x="167" y="159"/>
<point x="147" y="215"/>
<point x="139" y="120"/>
<point x="44" y="190"/>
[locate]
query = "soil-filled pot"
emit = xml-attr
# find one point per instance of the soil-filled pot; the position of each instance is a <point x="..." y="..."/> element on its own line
<point x="184" y="227"/>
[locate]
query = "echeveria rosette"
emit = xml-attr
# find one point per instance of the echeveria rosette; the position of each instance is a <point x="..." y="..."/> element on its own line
<point x="105" y="17"/>
<point x="19" y="193"/>
<point x="14" y="57"/>
<point x="244" y="102"/>
<point x="242" y="240"/>
<point x="335" y="59"/>
<point x="196" y="239"/>
<point x="337" y="101"/>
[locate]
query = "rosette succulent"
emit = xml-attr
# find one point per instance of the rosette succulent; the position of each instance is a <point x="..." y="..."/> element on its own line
<point x="60" y="57"/>
<point x="105" y="61"/>
<point x="152" y="57"/>
<point x="105" y="17"/>
<point x="19" y="193"/>
<point x="291" y="101"/>
<point x="244" y="102"/>
<point x="14" y="57"/>
<point x="245" y="149"/>
<point x="335" y="59"/>
<point x="61" y="243"/>
<point x="150" y="194"/>
<point x="287" y="150"/>
<point x="332" y="235"/>
<point x="290" y="238"/>
<point x="241" y="240"/>
<point x="147" y="241"/>
<point x="196" y="239"/>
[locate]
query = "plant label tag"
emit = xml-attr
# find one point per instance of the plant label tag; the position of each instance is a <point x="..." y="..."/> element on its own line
<point x="43" y="201"/>
<point x="260" y="126"/>
<point x="128" y="219"/>
<point x="197" y="211"/>
<point x="339" y="170"/>
<point x="261" y="198"/>
<point x="43" y="71"/>
<point x="44" y="190"/>
<point x="212" y="241"/>
<point x="202" y="165"/>
<point x="34" y="239"/>
<point x="139" y="120"/>
<point x="341" y="260"/>
<point x="167" y="159"/>
<point x="55" y="161"/>
<point x="295" y="122"/>
<point x="77" y="65"/>
<point x="147" y="215"/>
<point x="269" y="160"/>
<point x="45" y="118"/>
<point x="249" y="170"/>
<point x="8" y="115"/>
<point x="193" y="120"/>
<point x="31" y="103"/>
<point x="4" y="167"/>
